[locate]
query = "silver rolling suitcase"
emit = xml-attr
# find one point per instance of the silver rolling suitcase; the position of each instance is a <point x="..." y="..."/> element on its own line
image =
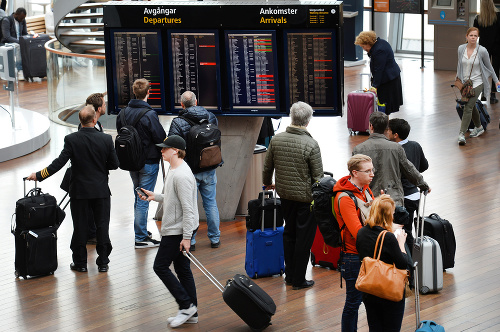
<point x="427" y="253"/>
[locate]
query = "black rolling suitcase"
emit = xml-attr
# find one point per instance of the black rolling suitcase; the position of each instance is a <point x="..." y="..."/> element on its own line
<point x="250" y="302"/>
<point x="441" y="230"/>
<point x="35" y="233"/>
<point x="33" y="55"/>
<point x="36" y="252"/>
<point x="267" y="204"/>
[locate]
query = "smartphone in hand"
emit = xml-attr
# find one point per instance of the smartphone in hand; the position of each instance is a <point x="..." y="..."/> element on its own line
<point x="141" y="192"/>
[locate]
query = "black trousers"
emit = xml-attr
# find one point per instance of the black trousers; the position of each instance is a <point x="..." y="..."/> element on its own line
<point x="298" y="237"/>
<point x="495" y="62"/>
<point x="181" y="285"/>
<point x="81" y="211"/>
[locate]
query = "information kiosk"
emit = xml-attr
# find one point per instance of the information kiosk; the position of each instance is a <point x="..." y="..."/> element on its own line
<point x="451" y="19"/>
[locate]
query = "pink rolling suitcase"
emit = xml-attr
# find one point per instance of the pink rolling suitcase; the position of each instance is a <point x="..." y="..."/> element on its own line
<point x="360" y="105"/>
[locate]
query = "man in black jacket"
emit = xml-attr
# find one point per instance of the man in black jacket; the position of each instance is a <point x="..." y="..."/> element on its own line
<point x="206" y="178"/>
<point x="14" y="26"/>
<point x="92" y="155"/>
<point x="151" y="133"/>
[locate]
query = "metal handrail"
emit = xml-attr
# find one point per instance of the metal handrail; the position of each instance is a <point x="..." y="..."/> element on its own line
<point x="49" y="48"/>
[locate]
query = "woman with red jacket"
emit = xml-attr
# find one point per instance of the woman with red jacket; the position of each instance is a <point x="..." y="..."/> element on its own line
<point x="352" y="202"/>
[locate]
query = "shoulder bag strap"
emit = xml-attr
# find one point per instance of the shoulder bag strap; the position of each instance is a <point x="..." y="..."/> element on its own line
<point x="472" y="61"/>
<point x="191" y="122"/>
<point x="139" y="116"/>
<point x="376" y="245"/>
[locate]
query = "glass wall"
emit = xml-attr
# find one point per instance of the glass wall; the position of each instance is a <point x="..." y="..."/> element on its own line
<point x="70" y="79"/>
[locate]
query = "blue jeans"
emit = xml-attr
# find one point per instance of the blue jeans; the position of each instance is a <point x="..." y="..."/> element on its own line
<point x="145" y="178"/>
<point x="182" y="287"/>
<point x="207" y="183"/>
<point x="349" y="270"/>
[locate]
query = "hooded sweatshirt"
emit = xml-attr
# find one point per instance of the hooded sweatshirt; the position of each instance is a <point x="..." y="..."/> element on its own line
<point x="347" y="213"/>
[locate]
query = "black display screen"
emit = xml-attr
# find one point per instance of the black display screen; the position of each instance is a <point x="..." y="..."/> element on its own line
<point x="194" y="66"/>
<point x="252" y="70"/>
<point x="311" y="69"/>
<point x="137" y="54"/>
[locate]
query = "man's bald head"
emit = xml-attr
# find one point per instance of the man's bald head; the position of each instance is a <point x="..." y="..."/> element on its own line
<point x="87" y="116"/>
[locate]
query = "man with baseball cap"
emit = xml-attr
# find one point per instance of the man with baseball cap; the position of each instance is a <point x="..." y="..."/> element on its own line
<point x="180" y="221"/>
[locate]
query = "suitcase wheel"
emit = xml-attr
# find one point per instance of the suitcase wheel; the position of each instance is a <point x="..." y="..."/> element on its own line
<point x="281" y="272"/>
<point x="255" y="275"/>
<point x="313" y="259"/>
<point x="352" y="132"/>
<point x="424" y="290"/>
<point x="16" y="274"/>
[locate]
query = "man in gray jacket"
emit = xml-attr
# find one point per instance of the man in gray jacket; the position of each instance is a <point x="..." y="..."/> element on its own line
<point x="296" y="158"/>
<point x="389" y="160"/>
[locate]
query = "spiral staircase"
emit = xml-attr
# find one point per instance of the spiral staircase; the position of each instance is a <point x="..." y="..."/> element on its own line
<point x="79" y="26"/>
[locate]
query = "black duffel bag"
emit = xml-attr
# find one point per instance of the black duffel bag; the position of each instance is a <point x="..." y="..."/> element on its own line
<point x="37" y="210"/>
<point x="255" y="207"/>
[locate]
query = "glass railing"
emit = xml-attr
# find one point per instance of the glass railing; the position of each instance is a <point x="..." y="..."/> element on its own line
<point x="71" y="78"/>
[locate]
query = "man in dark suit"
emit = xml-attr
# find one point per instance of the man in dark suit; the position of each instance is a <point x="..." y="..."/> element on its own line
<point x="92" y="155"/>
<point x="14" y="26"/>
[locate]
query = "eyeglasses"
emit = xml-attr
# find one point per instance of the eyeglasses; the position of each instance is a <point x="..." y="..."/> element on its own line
<point x="368" y="171"/>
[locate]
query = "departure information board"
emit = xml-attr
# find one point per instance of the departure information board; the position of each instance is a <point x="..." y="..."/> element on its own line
<point x="311" y="68"/>
<point x="240" y="58"/>
<point x="194" y="66"/>
<point x="252" y="70"/>
<point x="138" y="55"/>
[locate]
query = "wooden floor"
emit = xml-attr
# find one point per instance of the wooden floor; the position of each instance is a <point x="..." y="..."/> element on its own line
<point x="465" y="185"/>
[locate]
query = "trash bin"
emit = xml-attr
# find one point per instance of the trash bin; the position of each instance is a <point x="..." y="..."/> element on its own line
<point x="253" y="181"/>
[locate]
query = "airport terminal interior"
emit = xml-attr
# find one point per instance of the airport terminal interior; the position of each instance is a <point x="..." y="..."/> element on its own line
<point x="130" y="297"/>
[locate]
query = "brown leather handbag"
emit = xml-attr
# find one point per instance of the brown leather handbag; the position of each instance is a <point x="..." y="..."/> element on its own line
<point x="381" y="279"/>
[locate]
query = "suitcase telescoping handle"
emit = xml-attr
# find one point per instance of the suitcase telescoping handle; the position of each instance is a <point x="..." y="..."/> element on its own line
<point x="274" y="210"/>
<point x="204" y="270"/>
<point x="420" y="214"/>
<point x="361" y="80"/>
<point x="417" y="295"/>
<point x="24" y="182"/>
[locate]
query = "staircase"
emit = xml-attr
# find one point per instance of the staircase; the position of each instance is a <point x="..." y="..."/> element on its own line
<point x="79" y="26"/>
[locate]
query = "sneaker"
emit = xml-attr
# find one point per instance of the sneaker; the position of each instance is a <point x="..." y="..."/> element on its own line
<point x="461" y="139"/>
<point x="148" y="243"/>
<point x="183" y="315"/>
<point x="215" y="245"/>
<point x="191" y="320"/>
<point x="477" y="131"/>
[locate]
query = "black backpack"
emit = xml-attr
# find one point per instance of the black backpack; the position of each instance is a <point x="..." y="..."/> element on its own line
<point x="323" y="195"/>
<point x="128" y="144"/>
<point x="203" y="145"/>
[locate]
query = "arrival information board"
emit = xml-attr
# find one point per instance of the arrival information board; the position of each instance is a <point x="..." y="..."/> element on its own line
<point x="254" y="58"/>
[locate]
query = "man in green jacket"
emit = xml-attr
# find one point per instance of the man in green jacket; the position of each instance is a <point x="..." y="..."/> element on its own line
<point x="296" y="159"/>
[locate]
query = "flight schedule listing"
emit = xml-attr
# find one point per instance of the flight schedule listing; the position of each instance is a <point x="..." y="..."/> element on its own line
<point x="194" y="67"/>
<point x="252" y="70"/>
<point x="311" y="69"/>
<point x="138" y="56"/>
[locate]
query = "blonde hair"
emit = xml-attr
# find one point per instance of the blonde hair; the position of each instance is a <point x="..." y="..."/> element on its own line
<point x="382" y="212"/>
<point x="366" y="38"/>
<point x="488" y="13"/>
<point x="354" y="162"/>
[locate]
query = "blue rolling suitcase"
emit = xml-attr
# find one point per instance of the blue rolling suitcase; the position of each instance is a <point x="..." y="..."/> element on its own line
<point x="264" y="250"/>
